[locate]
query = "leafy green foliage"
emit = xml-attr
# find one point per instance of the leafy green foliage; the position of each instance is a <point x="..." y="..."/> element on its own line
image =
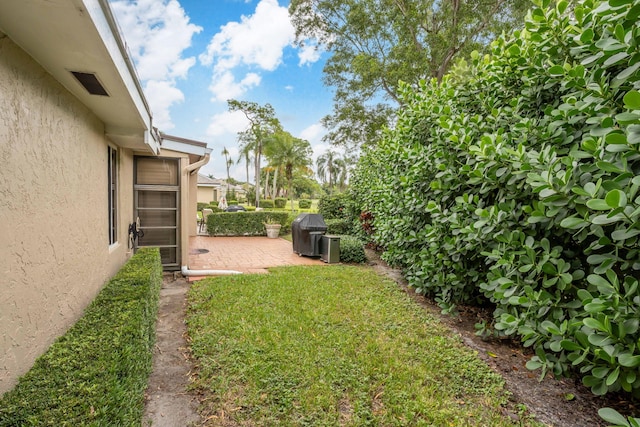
<point x="375" y="44"/>
<point x="338" y="226"/>
<point x="245" y="223"/>
<point x="267" y="204"/>
<point x="614" y="417"/>
<point x="96" y="374"/>
<point x="304" y="204"/>
<point x="334" y="206"/>
<point x="352" y="250"/>
<point x="516" y="183"/>
<point x="280" y="202"/>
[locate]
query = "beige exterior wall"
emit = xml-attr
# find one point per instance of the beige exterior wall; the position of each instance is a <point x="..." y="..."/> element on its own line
<point x="206" y="194"/>
<point x="55" y="254"/>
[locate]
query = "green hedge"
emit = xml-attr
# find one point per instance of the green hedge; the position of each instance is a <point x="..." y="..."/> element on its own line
<point x="515" y="182"/>
<point x="280" y="202"/>
<point x="266" y="203"/>
<point x="304" y="204"/>
<point x="96" y="374"/>
<point x="244" y="223"/>
<point x="338" y="226"/>
<point x="334" y="206"/>
<point x="352" y="250"/>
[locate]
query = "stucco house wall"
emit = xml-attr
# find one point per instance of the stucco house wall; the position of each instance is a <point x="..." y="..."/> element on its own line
<point x="55" y="254"/>
<point x="206" y="194"/>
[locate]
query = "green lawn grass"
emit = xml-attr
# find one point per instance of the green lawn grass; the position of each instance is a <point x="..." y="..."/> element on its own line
<point x="329" y="346"/>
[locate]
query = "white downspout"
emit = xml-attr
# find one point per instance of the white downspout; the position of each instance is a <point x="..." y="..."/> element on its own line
<point x="191" y="169"/>
<point x="186" y="272"/>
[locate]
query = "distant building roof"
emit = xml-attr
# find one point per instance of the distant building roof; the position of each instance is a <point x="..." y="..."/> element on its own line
<point x="205" y="181"/>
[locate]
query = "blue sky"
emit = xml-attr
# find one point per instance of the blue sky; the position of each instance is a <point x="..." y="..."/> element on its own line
<point x="193" y="55"/>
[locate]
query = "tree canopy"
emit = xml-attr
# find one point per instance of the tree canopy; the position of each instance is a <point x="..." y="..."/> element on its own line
<point x="262" y="124"/>
<point x="375" y="44"/>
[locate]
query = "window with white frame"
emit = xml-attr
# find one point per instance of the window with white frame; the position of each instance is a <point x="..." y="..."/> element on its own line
<point x="113" y="194"/>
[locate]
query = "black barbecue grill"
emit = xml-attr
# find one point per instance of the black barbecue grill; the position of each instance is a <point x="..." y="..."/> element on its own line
<point x="307" y="231"/>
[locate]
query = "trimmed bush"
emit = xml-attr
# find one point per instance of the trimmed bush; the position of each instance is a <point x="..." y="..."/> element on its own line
<point x="96" y="374"/>
<point x="352" y="250"/>
<point x="304" y="204"/>
<point x="244" y="223"/>
<point x="267" y="204"/>
<point x="280" y="202"/>
<point x="214" y="207"/>
<point x="338" y="226"/>
<point x="232" y="202"/>
<point x="202" y="205"/>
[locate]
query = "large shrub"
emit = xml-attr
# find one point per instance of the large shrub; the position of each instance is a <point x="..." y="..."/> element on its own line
<point x="280" y="202"/>
<point x="516" y="182"/>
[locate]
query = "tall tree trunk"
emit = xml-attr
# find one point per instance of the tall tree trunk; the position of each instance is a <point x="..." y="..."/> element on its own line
<point x="257" y="167"/>
<point x="266" y="184"/>
<point x="275" y="183"/>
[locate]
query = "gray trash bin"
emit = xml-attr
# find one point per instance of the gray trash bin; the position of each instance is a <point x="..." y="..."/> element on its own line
<point x="330" y="249"/>
<point x="306" y="231"/>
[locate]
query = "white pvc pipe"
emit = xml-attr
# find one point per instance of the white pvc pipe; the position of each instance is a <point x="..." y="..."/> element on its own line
<point x="186" y="272"/>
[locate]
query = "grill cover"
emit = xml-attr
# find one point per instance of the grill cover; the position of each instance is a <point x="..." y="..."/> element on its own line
<point x="306" y="231"/>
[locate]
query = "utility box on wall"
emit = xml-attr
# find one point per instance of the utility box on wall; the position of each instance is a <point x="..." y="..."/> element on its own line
<point x="330" y="249"/>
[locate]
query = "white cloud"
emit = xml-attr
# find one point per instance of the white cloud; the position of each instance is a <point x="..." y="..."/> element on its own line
<point x="157" y="34"/>
<point x="308" y="54"/>
<point x="313" y="133"/>
<point x="224" y="86"/>
<point x="257" y="42"/>
<point x="162" y="95"/>
<point x="227" y="122"/>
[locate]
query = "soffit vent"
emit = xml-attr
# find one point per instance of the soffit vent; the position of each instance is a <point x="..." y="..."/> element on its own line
<point x="90" y="82"/>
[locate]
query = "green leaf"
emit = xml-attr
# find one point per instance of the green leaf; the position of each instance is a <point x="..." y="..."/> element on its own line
<point x="612" y="416"/>
<point x="627" y="118"/>
<point x="597" y="280"/>
<point x="613" y="59"/>
<point x="556" y="70"/>
<point x="629" y="360"/>
<point x="572" y="223"/>
<point x="619" y="235"/>
<point x="616" y="199"/>
<point x="598" y="205"/>
<point x="632" y="100"/>
<point x="570" y="345"/>
<point x="616" y="138"/>
<point x="609" y="167"/>
<point x="586" y="36"/>
<point x="593" y="324"/>
<point x="618" y="3"/>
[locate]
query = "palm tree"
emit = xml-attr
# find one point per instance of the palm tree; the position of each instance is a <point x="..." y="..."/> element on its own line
<point x="228" y="162"/>
<point x="332" y="166"/>
<point x="245" y="154"/>
<point x="293" y="154"/>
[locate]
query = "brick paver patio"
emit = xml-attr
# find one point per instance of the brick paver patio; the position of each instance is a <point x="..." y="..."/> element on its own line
<point x="245" y="254"/>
